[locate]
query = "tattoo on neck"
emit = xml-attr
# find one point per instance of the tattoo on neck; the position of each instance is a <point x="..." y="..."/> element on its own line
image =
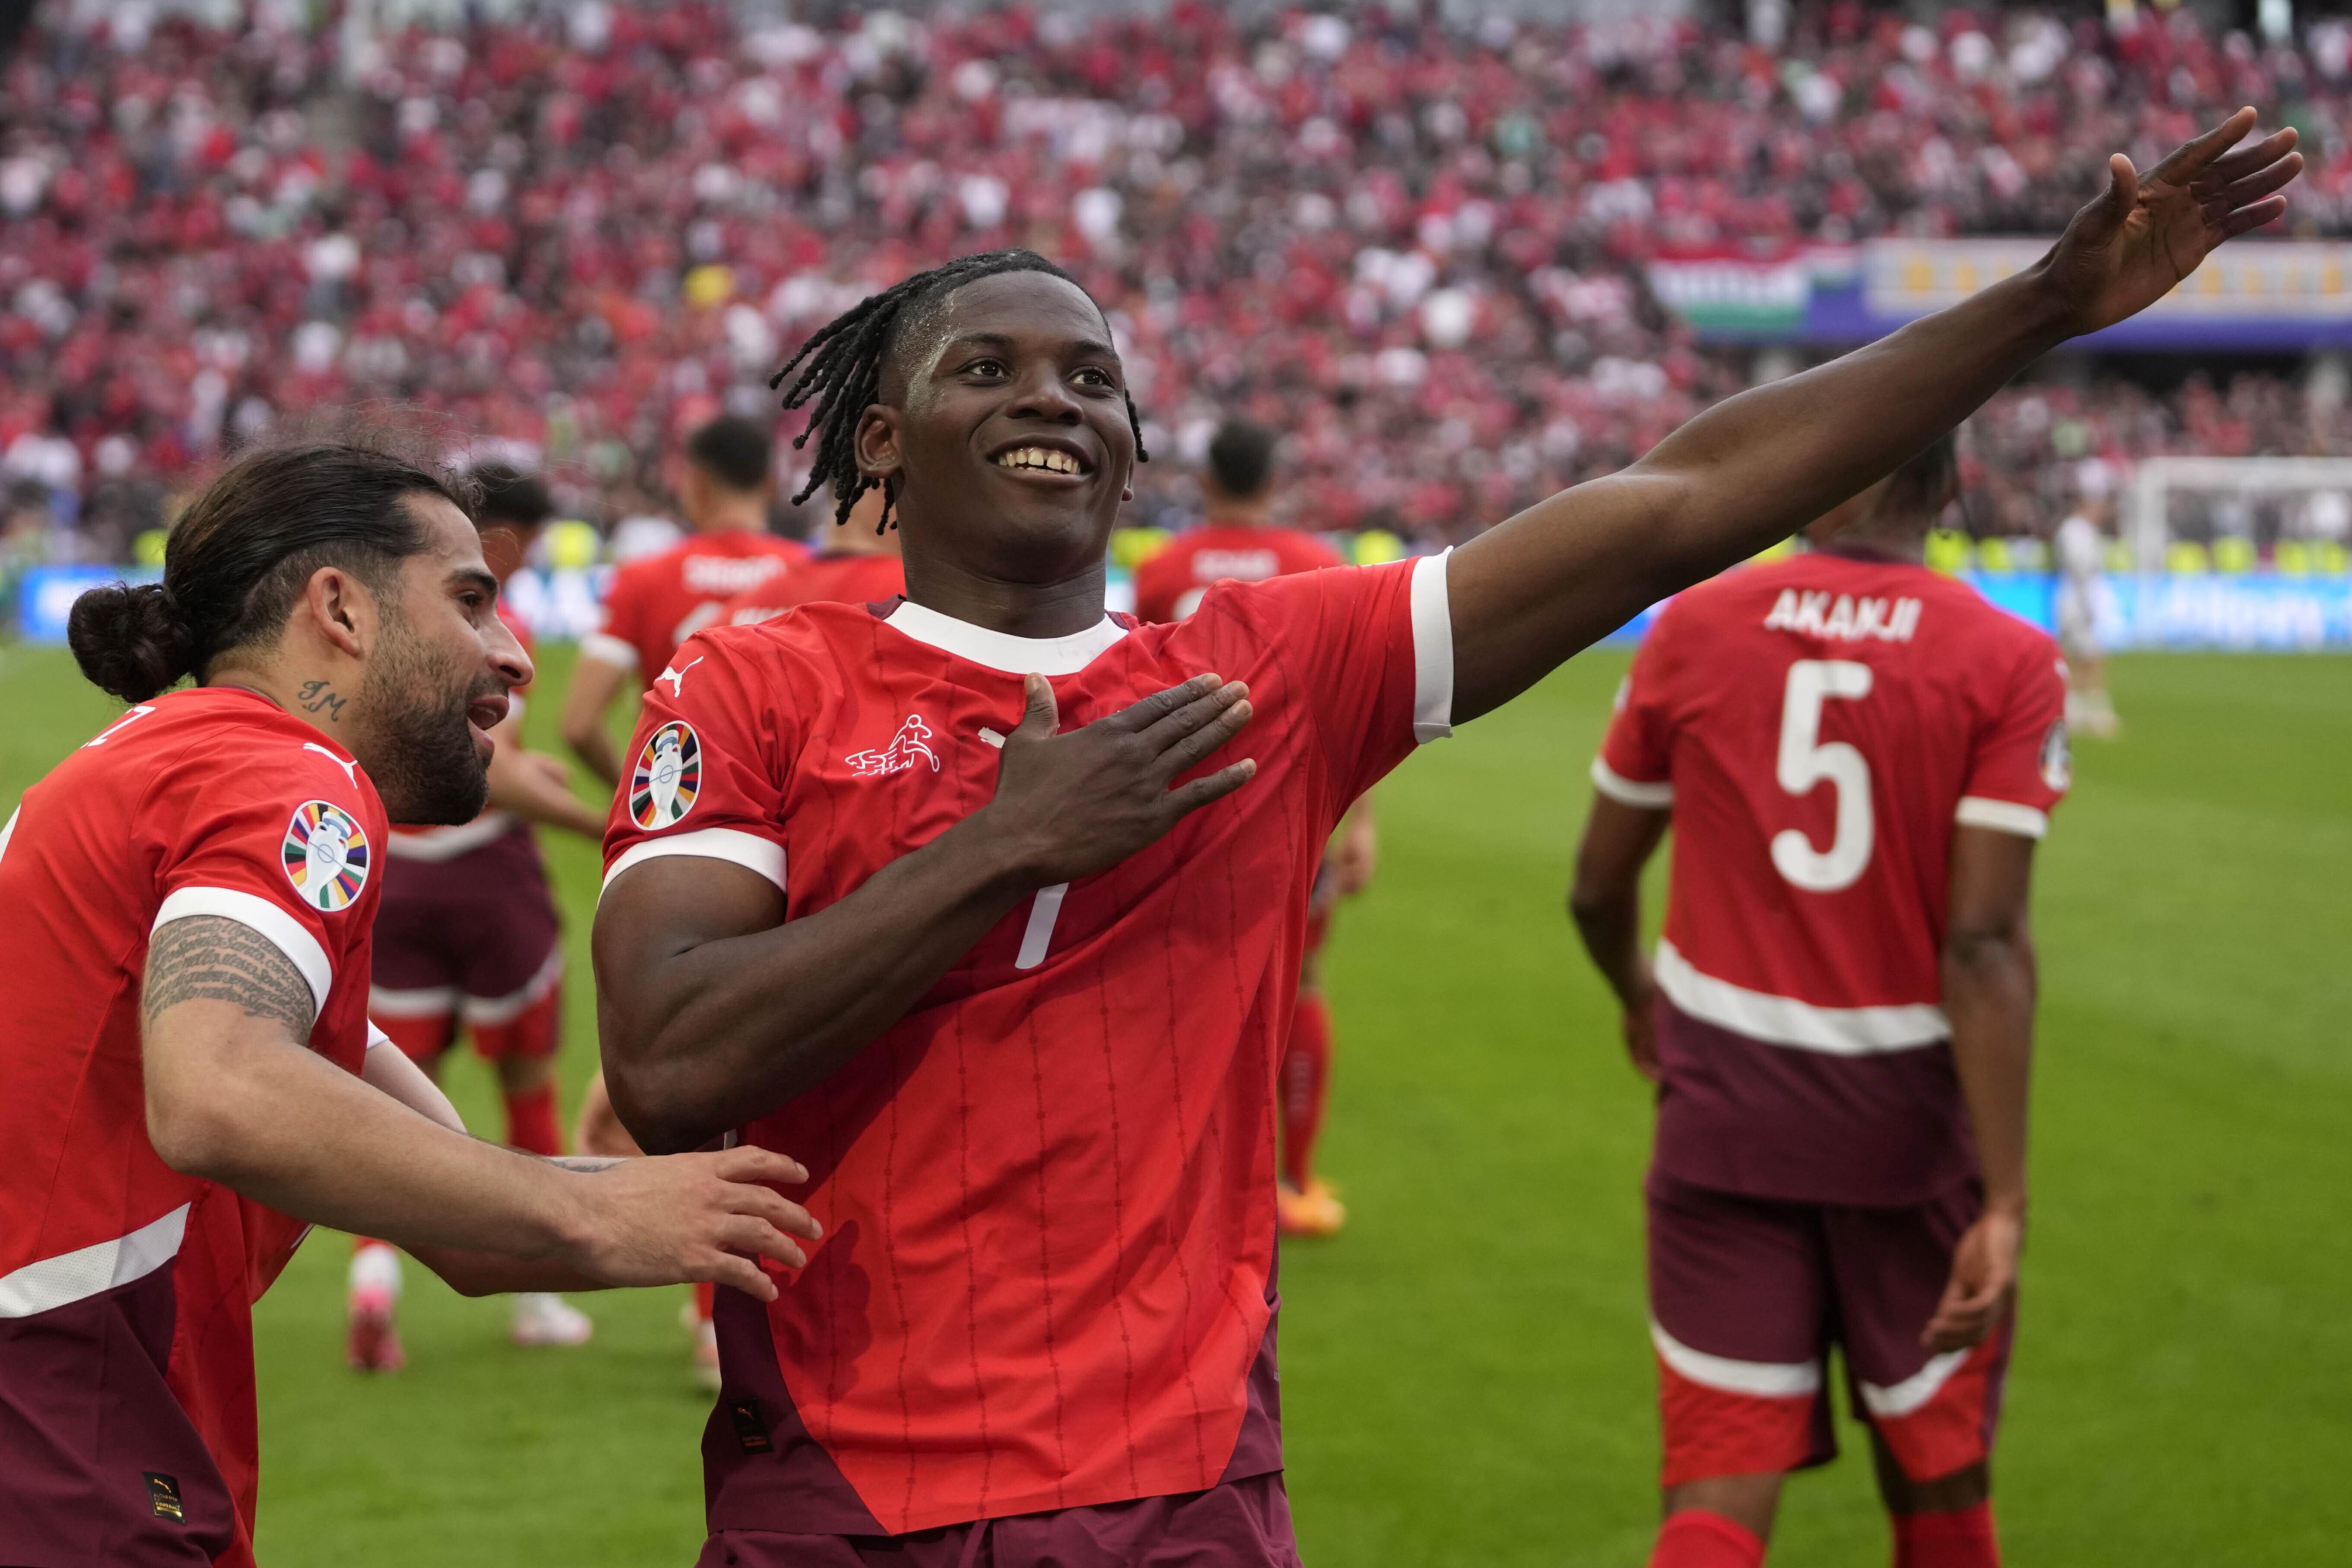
<point x="318" y="697"/>
<point x="209" y="958"/>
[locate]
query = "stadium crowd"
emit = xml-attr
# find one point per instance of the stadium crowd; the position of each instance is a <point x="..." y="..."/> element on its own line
<point x="587" y="228"/>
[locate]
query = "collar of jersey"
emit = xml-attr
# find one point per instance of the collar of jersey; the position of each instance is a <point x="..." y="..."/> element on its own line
<point x="1001" y="651"/>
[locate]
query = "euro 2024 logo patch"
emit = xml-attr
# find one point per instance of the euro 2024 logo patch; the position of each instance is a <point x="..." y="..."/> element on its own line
<point x="326" y="855"/>
<point x="667" y="776"/>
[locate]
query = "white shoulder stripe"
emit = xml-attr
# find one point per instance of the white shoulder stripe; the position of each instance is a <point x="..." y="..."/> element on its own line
<point x="1433" y="650"/>
<point x="76" y="1276"/>
<point x="2003" y="816"/>
<point x="748" y="850"/>
<point x="1765" y="1379"/>
<point x="1656" y="796"/>
<point x="10" y="831"/>
<point x="1785" y="1021"/>
<point x="1914" y="1390"/>
<point x="606" y="649"/>
<point x="291" y="937"/>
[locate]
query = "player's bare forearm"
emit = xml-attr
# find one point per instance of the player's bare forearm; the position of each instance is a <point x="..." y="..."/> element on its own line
<point x="714" y="1010"/>
<point x="1605" y="899"/>
<point x="1754" y="469"/>
<point x="594" y="684"/>
<point x="531" y="785"/>
<point x="1989" y="983"/>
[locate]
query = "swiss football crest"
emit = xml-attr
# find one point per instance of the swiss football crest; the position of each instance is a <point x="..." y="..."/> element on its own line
<point x="668" y="777"/>
<point x="2057" y="757"/>
<point x="900" y="754"/>
<point x="326" y="855"/>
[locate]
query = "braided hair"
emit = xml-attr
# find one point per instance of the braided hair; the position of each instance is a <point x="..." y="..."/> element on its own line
<point x="841" y="371"/>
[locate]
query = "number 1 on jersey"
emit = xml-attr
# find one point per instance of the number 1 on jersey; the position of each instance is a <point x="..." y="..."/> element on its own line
<point x="1043" y="912"/>
<point x="1805" y="762"/>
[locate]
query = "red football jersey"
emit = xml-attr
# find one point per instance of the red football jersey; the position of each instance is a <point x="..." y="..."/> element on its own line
<point x="824" y="580"/>
<point x="1819" y="725"/>
<point x="1049" y="1190"/>
<point x="1169" y="585"/>
<point x="127" y="1430"/>
<point x="658" y="603"/>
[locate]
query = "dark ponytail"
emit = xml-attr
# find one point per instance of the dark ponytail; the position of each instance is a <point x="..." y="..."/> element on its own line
<point x="128" y="640"/>
<point x="242" y="554"/>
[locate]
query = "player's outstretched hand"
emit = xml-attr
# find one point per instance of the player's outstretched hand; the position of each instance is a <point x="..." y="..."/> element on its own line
<point x="1078" y="803"/>
<point x="685" y="1218"/>
<point x="2128" y="248"/>
<point x="1983" y="1282"/>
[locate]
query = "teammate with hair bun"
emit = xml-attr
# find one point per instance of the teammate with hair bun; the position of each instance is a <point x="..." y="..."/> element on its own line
<point x="1016" y="985"/>
<point x="187" y="1075"/>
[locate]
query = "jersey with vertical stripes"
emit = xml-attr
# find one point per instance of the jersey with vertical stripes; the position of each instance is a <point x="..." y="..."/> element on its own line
<point x="1819" y="727"/>
<point x="127" y="1421"/>
<point x="1047" y="1190"/>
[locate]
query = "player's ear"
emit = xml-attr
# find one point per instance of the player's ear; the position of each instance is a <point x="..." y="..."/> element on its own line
<point x="341" y="610"/>
<point x="876" y="444"/>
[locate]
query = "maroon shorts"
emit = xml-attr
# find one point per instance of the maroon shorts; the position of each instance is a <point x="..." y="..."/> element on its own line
<point x="1239" y="1524"/>
<point x="1748" y="1294"/>
<point x="473" y="938"/>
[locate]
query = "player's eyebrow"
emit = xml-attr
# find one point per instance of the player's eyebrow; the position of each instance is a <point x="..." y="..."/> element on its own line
<point x="473" y="577"/>
<point x="1005" y="341"/>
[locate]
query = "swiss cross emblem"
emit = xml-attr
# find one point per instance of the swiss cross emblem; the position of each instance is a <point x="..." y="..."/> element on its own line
<point x="900" y="754"/>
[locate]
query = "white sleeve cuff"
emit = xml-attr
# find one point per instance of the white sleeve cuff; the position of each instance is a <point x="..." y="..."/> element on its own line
<point x="288" y="935"/>
<point x="2001" y="815"/>
<point x="1631" y="792"/>
<point x="1433" y="651"/>
<point x="606" y="649"/>
<point x="748" y="850"/>
<point x="376" y="1037"/>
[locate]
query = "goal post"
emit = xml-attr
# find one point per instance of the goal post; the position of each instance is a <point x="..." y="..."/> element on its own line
<point x="2155" y="481"/>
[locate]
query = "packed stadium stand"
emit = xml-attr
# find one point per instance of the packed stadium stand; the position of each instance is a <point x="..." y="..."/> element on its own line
<point x="1421" y="249"/>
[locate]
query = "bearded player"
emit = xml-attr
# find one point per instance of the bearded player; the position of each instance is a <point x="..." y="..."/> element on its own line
<point x="187" y="1071"/>
<point x="658" y="603"/>
<point x="974" y="899"/>
<point x="1238" y="540"/>
<point x="1857" y="755"/>
<point x="467" y="936"/>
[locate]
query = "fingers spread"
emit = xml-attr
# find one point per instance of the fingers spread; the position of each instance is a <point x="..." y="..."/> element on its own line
<point x="741" y="1273"/>
<point x="2248" y="218"/>
<point x="2245" y="160"/>
<point x="1183" y="802"/>
<point x="2191" y="156"/>
<point x="763" y="1203"/>
<point x="743" y="1233"/>
<point x="1137" y="717"/>
<point x="2252" y="187"/>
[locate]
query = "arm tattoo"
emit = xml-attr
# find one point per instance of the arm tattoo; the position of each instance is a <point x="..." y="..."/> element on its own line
<point x="587" y="1164"/>
<point x="210" y="958"/>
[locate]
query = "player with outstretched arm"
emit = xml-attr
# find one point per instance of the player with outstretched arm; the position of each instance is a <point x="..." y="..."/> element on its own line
<point x="975" y="903"/>
<point x="187" y="1075"/>
<point x="1857" y="755"/>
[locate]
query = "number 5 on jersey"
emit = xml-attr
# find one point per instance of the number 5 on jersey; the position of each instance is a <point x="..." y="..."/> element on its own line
<point x="1806" y="761"/>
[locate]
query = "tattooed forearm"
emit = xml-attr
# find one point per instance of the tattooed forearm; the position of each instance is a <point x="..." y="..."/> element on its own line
<point x="587" y="1164"/>
<point x="207" y="958"/>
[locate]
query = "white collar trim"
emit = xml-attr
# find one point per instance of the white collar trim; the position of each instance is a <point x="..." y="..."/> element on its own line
<point x="1001" y="651"/>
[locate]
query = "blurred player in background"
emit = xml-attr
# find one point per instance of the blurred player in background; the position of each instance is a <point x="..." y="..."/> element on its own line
<point x="187" y="1075"/>
<point x="467" y="935"/>
<point x="1857" y="755"/>
<point x="658" y="603"/>
<point x="1239" y="540"/>
<point x="858" y="565"/>
<point x="2080" y="545"/>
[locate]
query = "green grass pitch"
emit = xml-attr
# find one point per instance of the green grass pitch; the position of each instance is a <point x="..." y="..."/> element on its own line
<point x="1467" y="1375"/>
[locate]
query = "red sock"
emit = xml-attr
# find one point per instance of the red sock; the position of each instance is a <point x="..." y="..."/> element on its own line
<point x="1962" y="1538"/>
<point x="530" y="1122"/>
<point x="1694" y="1538"/>
<point x="1305" y="1076"/>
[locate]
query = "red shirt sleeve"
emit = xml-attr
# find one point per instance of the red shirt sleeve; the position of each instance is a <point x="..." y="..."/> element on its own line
<point x="1635" y="766"/>
<point x="2020" y="765"/>
<point x="1371" y="650"/>
<point x="289" y="843"/>
<point x="708" y="761"/>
